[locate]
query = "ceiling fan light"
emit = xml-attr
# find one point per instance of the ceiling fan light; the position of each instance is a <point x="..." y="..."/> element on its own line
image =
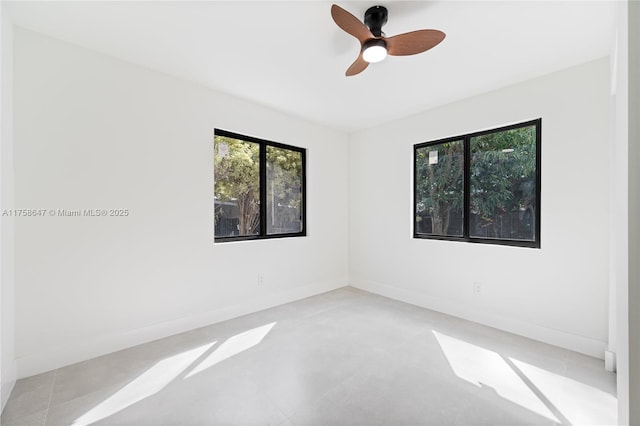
<point x="374" y="50"/>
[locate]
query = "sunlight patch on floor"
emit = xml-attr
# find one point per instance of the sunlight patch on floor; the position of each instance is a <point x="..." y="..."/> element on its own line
<point x="233" y="346"/>
<point x="581" y="404"/>
<point x="483" y="367"/>
<point x="551" y="395"/>
<point x="164" y="372"/>
<point x="148" y="383"/>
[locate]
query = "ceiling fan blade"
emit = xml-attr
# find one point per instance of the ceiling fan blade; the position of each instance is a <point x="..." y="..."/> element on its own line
<point x="357" y="67"/>
<point x="413" y="42"/>
<point x="350" y="24"/>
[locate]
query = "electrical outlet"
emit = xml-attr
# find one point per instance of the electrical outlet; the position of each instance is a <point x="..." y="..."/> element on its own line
<point x="260" y="279"/>
<point x="477" y="288"/>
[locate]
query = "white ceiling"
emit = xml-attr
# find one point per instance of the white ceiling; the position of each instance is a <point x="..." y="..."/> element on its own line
<point x="290" y="55"/>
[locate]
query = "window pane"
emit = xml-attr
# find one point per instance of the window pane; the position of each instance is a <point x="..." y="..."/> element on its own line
<point x="236" y="187"/>
<point x="284" y="191"/>
<point x="439" y="189"/>
<point x="503" y="185"/>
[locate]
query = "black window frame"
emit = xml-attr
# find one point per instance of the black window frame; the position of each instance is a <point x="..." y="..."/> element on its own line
<point x="466" y="138"/>
<point x="263" y="144"/>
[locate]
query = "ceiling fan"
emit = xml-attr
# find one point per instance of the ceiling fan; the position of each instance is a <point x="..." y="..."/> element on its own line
<point x="374" y="45"/>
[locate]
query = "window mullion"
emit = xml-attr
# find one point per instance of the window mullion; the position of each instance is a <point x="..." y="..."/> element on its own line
<point x="263" y="189"/>
<point x="466" y="213"/>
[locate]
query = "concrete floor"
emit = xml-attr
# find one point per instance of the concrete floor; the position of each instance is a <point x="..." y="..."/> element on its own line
<point x="346" y="357"/>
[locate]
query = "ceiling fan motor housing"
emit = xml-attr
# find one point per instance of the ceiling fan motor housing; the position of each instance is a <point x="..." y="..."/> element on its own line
<point x="375" y="46"/>
<point x="374" y="18"/>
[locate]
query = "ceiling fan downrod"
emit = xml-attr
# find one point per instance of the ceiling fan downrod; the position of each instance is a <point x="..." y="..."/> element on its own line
<point x="374" y="18"/>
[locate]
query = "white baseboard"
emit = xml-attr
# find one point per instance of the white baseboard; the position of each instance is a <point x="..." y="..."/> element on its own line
<point x="48" y="359"/>
<point x="610" y="361"/>
<point x="581" y="344"/>
<point x="59" y="356"/>
<point x="8" y="381"/>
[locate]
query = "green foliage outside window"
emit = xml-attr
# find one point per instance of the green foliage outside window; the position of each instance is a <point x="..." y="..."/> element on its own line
<point x="239" y="186"/>
<point x="284" y="190"/>
<point x="237" y="181"/>
<point x="501" y="187"/>
<point x="439" y="185"/>
<point x="503" y="183"/>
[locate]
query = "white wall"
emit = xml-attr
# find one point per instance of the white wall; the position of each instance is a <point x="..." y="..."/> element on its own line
<point x="626" y="239"/>
<point x="633" y="300"/>
<point x="556" y="294"/>
<point x="7" y="284"/>
<point x="620" y="210"/>
<point x="95" y="132"/>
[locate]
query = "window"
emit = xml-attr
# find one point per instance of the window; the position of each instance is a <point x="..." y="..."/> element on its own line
<point x="481" y="187"/>
<point x="259" y="188"/>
